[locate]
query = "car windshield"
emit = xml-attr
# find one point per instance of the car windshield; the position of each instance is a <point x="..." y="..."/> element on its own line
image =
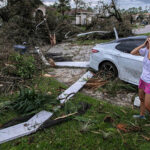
<point x="128" y="45"/>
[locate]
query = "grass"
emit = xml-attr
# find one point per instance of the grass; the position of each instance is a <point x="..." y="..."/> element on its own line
<point x="70" y="135"/>
<point x="147" y="34"/>
<point x="137" y="26"/>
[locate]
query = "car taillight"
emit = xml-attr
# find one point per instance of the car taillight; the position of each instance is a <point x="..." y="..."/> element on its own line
<point x="94" y="51"/>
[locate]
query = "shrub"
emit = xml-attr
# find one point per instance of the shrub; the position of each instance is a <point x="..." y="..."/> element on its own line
<point x="24" y="65"/>
<point x="29" y="101"/>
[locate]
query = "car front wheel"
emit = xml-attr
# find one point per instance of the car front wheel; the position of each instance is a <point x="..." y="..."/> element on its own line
<point x="108" y="71"/>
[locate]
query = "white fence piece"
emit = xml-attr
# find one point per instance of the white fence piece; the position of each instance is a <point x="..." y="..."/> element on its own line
<point x="71" y="91"/>
<point x="73" y="64"/>
<point x="25" y="128"/>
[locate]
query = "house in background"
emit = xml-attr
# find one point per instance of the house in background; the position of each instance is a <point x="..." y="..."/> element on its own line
<point x="82" y="17"/>
<point x="41" y="9"/>
<point x="143" y="18"/>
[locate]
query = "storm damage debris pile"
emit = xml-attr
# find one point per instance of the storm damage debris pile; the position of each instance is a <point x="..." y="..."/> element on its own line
<point x="61" y="64"/>
<point x="95" y="35"/>
<point x="36" y="121"/>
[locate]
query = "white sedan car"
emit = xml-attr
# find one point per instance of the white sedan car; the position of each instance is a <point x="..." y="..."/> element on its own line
<point x="114" y="59"/>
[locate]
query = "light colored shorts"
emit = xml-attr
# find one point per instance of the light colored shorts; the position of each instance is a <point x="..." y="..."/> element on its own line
<point x="144" y="86"/>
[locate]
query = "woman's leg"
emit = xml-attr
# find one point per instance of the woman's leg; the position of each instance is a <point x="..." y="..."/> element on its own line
<point x="142" y="99"/>
<point x="147" y="101"/>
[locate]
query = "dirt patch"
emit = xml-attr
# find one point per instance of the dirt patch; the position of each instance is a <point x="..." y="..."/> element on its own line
<point x="78" y="53"/>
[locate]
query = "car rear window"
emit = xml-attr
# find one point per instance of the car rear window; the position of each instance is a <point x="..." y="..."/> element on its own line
<point x="128" y="45"/>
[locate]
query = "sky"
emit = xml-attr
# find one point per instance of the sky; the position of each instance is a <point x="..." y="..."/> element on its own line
<point x="121" y="3"/>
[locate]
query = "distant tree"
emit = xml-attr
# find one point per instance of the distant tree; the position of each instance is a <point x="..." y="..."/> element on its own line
<point x="79" y="4"/>
<point x="22" y="8"/>
<point x="109" y="10"/>
<point x="63" y="6"/>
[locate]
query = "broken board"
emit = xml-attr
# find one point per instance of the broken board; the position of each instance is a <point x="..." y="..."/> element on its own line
<point x="25" y="128"/>
<point x="73" y="64"/>
<point x="71" y="91"/>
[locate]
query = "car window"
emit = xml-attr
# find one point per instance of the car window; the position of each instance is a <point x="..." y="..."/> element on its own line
<point x="128" y="45"/>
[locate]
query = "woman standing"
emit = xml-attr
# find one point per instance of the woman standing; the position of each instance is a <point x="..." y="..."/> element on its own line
<point x="144" y="83"/>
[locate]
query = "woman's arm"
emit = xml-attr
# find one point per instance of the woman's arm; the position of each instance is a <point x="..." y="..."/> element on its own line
<point x="136" y="50"/>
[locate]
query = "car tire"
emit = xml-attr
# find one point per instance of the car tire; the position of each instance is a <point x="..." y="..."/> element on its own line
<point x="108" y="71"/>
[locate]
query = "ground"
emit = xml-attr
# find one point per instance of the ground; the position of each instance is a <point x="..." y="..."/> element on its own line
<point x="143" y="30"/>
<point x="69" y="76"/>
<point x="97" y="128"/>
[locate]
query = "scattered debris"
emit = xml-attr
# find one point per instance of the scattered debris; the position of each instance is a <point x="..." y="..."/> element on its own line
<point x="1" y="85"/>
<point x="104" y="134"/>
<point x="36" y="121"/>
<point x="48" y="75"/>
<point x="108" y="119"/>
<point x="95" y="83"/>
<point x="146" y="138"/>
<point x="52" y="63"/>
<point x="137" y="102"/>
<point x="122" y="127"/>
<point x="126" y="128"/>
<point x="82" y="109"/>
<point x="42" y="56"/>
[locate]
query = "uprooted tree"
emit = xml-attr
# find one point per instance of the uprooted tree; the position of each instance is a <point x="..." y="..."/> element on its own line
<point x="111" y="15"/>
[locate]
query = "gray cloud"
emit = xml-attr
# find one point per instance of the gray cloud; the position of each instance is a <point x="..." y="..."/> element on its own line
<point x="121" y="3"/>
<point x="145" y="1"/>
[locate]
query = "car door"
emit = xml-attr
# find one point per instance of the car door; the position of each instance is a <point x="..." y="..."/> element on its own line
<point x="130" y="67"/>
